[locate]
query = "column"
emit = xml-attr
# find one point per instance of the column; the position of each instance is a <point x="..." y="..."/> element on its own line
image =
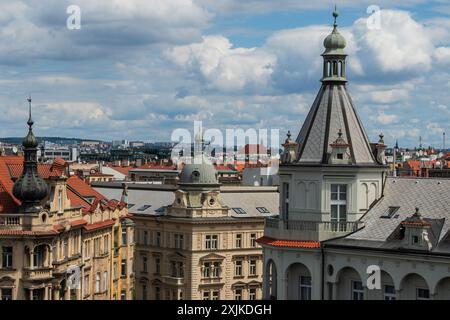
<point x="265" y="281"/>
<point x="46" y="293"/>
<point x="334" y="291"/>
<point x="31" y="293"/>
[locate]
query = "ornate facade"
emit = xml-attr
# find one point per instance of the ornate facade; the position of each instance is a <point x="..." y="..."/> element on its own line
<point x="59" y="239"/>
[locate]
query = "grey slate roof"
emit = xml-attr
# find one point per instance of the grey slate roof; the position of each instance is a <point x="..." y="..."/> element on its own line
<point x="247" y="198"/>
<point x="431" y="196"/>
<point x="332" y="111"/>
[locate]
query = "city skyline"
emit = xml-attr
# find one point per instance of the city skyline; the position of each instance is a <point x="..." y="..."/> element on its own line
<point x="224" y="64"/>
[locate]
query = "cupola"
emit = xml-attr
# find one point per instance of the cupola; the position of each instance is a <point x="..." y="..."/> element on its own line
<point x="30" y="188"/>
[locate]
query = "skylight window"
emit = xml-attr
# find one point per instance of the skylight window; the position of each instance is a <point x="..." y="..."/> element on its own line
<point x="239" y="210"/>
<point x="130" y="205"/>
<point x="144" y="207"/>
<point x="262" y="210"/>
<point x="389" y="213"/>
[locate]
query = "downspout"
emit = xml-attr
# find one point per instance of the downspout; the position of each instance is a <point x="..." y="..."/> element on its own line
<point x="323" y="273"/>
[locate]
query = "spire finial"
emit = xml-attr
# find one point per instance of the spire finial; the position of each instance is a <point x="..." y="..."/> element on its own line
<point x="30" y="119"/>
<point x="335" y="15"/>
<point x="340" y="133"/>
<point x="289" y="134"/>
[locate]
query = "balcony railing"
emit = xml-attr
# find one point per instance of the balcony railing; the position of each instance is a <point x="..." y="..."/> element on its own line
<point x="10" y="221"/>
<point x="37" y="273"/>
<point x="308" y="230"/>
<point x="173" y="281"/>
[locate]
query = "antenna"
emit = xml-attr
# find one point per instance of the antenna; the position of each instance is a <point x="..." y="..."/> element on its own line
<point x="443" y="141"/>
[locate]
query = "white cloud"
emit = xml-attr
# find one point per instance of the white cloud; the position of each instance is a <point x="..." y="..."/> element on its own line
<point x="385" y="119"/>
<point x="224" y="67"/>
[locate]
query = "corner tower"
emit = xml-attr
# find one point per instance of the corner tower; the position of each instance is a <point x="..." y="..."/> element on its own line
<point x="335" y="173"/>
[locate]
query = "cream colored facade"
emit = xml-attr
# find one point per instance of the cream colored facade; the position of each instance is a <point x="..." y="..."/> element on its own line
<point x="198" y="250"/>
<point x="38" y="250"/>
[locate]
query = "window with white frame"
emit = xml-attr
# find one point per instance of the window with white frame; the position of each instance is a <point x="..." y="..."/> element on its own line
<point x="211" y="241"/>
<point x="7" y="257"/>
<point x="238" y="268"/>
<point x="105" y="281"/>
<point x="305" y="288"/>
<point x="206" y="295"/>
<point x="239" y="240"/>
<point x="338" y="204"/>
<point x="389" y="293"/>
<point x="97" y="282"/>
<point x="357" y="290"/>
<point x="215" y="270"/>
<point x="253" y="240"/>
<point x="252" y="268"/>
<point x="215" y="295"/>
<point x="206" y="269"/>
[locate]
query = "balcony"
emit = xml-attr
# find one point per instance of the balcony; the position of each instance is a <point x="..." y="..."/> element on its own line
<point x="173" y="281"/>
<point x="11" y="222"/>
<point x="308" y="230"/>
<point x="43" y="273"/>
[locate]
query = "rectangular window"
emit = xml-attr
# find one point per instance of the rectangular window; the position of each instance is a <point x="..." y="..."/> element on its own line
<point x="7" y="257"/>
<point x="106" y="244"/>
<point x="215" y="270"/>
<point x="253" y="240"/>
<point x="239" y="210"/>
<point x="145" y="238"/>
<point x="215" y="295"/>
<point x="389" y="293"/>
<point x="144" y="292"/>
<point x="252" y="268"/>
<point x="305" y="287"/>
<point x="179" y="241"/>
<point x="239" y="240"/>
<point x="262" y="210"/>
<point x="97" y="282"/>
<point x="285" y="202"/>
<point x="252" y="294"/>
<point x="144" y="264"/>
<point x="157" y="265"/>
<point x="105" y="281"/>
<point x="415" y="240"/>
<point x="66" y="248"/>
<point x="389" y="213"/>
<point x="123" y="268"/>
<point x="206" y="295"/>
<point x="238" y="294"/>
<point x="124" y="236"/>
<point x="115" y="271"/>
<point x="158" y="239"/>
<point x="338" y="206"/>
<point x="86" y="285"/>
<point x="357" y="290"/>
<point x="157" y="293"/>
<point x="211" y="241"/>
<point x="238" y="268"/>
<point x="206" y="269"/>
<point x="54" y="251"/>
<point x="422" y="294"/>
<point x="6" y="293"/>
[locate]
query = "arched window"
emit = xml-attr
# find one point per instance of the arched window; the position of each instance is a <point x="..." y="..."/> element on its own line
<point x="339" y="73"/>
<point x="328" y="69"/>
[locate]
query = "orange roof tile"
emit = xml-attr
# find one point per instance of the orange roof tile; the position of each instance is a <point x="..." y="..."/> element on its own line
<point x="85" y="190"/>
<point x="99" y="225"/>
<point x="289" y="243"/>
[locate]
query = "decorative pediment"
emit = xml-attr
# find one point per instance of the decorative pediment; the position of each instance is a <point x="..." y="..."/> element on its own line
<point x="212" y="256"/>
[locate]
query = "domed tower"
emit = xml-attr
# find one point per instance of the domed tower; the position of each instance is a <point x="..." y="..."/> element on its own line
<point x="199" y="188"/>
<point x="30" y="188"/>
<point x="335" y="173"/>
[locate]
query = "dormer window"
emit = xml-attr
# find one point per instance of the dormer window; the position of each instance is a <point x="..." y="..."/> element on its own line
<point x="415" y="240"/>
<point x="340" y="156"/>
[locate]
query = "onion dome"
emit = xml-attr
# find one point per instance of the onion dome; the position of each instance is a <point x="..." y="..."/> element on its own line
<point x="334" y="43"/>
<point x="30" y="188"/>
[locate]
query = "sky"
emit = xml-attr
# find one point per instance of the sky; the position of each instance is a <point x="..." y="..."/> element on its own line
<point x="139" y="69"/>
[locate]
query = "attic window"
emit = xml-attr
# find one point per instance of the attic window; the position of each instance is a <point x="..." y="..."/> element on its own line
<point x="415" y="240"/>
<point x="144" y="207"/>
<point x="262" y="210"/>
<point x="89" y="199"/>
<point x="390" y="212"/>
<point x="239" y="210"/>
<point x="130" y="205"/>
<point x="340" y="156"/>
<point x="160" y="210"/>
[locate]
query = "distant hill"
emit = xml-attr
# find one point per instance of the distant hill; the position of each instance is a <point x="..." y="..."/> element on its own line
<point x="57" y="140"/>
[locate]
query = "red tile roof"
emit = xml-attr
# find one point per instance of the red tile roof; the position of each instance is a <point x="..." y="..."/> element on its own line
<point x="82" y="188"/>
<point x="289" y="243"/>
<point x="99" y="225"/>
